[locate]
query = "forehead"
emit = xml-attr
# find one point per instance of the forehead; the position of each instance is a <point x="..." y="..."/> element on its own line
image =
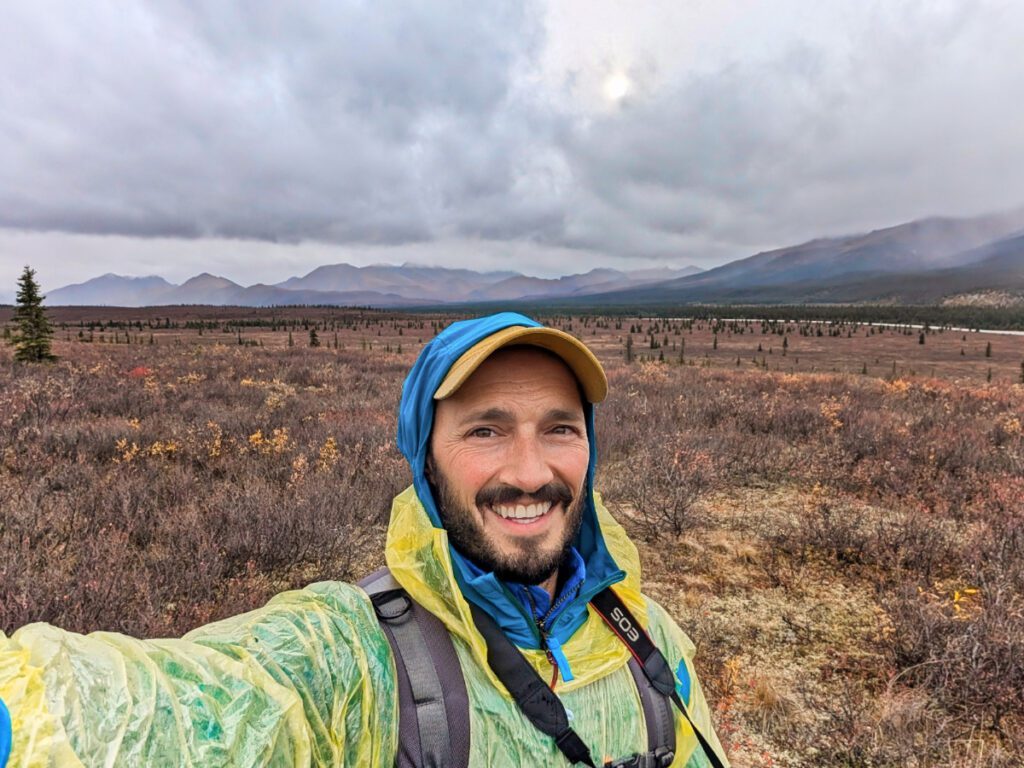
<point x="519" y="371"/>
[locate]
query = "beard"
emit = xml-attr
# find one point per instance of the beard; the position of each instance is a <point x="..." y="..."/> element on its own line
<point x="527" y="561"/>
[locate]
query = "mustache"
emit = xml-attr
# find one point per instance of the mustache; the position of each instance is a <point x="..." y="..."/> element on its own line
<point x="553" y="492"/>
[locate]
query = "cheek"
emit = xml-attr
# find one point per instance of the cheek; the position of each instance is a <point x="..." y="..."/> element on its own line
<point x="468" y="473"/>
<point x="573" y="465"/>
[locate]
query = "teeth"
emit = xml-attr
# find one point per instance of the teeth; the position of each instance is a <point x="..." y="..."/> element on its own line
<point x="523" y="511"/>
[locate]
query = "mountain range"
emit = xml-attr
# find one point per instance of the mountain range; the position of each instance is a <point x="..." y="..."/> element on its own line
<point x="928" y="261"/>
<point x="343" y="284"/>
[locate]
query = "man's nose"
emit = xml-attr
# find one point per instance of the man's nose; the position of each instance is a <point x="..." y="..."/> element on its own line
<point x="527" y="468"/>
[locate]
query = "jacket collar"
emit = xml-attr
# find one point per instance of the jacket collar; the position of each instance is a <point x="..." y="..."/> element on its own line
<point x="419" y="557"/>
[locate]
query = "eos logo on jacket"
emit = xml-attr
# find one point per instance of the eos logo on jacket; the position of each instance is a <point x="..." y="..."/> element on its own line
<point x="625" y="625"/>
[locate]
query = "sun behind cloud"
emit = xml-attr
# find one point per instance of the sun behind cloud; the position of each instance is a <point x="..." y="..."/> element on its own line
<point x="617" y="86"/>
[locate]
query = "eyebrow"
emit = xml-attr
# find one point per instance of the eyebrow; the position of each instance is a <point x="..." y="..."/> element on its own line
<point x="559" y="414"/>
<point x="501" y="415"/>
<point x="490" y="414"/>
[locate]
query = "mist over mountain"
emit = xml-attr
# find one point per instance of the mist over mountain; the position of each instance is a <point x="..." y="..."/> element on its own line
<point x="886" y="265"/>
<point x="991" y="274"/>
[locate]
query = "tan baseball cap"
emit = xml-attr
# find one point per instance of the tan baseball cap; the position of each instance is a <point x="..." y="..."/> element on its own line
<point x="574" y="353"/>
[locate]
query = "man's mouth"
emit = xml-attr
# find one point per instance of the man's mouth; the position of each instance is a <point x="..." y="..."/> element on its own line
<point x="523" y="513"/>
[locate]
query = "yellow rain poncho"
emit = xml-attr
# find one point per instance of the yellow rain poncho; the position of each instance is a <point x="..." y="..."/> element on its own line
<point x="309" y="679"/>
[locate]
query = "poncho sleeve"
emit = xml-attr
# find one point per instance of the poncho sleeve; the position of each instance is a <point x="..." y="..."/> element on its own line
<point x="306" y="680"/>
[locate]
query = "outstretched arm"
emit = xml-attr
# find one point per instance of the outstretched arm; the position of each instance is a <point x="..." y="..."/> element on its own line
<point x="305" y="680"/>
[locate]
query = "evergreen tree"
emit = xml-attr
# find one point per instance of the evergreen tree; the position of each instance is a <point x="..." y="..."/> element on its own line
<point x="32" y="340"/>
<point x="314" y="339"/>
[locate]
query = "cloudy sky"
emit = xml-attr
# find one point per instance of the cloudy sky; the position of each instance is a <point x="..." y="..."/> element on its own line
<point x="258" y="140"/>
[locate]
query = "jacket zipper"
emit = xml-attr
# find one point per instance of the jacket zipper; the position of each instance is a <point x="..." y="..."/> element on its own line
<point x="542" y="627"/>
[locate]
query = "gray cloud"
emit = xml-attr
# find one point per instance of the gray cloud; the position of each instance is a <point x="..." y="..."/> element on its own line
<point x="389" y="123"/>
<point x="912" y="119"/>
<point x="349" y="122"/>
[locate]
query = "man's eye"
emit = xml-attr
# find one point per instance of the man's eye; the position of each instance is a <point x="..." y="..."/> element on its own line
<point x="482" y="432"/>
<point x="565" y="429"/>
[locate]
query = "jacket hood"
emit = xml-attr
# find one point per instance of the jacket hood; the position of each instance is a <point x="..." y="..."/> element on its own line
<point x="415" y="421"/>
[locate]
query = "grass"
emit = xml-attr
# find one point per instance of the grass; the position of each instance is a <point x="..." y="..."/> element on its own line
<point x="846" y="550"/>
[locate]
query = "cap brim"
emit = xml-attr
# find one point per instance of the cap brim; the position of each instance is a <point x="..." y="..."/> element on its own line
<point x="574" y="353"/>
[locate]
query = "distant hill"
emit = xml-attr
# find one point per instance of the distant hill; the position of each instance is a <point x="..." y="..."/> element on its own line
<point x="862" y="267"/>
<point x="130" y="291"/>
<point x="346" y="285"/>
<point x="204" y="289"/>
<point x="421" y="284"/>
<point x="596" y="281"/>
<point x="995" y="269"/>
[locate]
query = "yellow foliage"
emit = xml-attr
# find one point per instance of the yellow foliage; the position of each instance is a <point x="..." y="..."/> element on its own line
<point x="163" y="449"/>
<point x="899" y="385"/>
<point x="191" y="378"/>
<point x="328" y="455"/>
<point x="733" y="670"/>
<point x="277" y="442"/>
<point x="278" y="391"/>
<point x="274" y="400"/>
<point x="300" y="466"/>
<point x="216" y="444"/>
<point x="128" y="452"/>
<point x="831" y="410"/>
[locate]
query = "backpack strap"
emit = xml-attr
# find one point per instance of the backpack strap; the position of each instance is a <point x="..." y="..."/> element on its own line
<point x="661" y="727"/>
<point x="650" y="659"/>
<point x="535" y="699"/>
<point x="433" y="707"/>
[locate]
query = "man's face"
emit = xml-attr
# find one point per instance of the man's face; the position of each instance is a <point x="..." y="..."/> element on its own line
<point x="509" y="457"/>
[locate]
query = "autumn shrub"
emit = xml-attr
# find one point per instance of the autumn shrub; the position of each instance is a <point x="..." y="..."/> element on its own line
<point x="662" y="485"/>
<point x="207" y="481"/>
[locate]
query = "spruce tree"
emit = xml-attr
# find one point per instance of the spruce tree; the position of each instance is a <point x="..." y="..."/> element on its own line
<point x="34" y="334"/>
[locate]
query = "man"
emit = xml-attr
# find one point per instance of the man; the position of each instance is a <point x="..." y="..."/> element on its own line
<point x="499" y="539"/>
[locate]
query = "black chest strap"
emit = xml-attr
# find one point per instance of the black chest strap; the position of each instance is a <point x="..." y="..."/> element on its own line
<point x="622" y="622"/>
<point x="536" y="700"/>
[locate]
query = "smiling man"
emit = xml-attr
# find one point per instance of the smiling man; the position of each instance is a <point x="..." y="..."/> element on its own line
<point x="508" y="629"/>
<point x="508" y="462"/>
